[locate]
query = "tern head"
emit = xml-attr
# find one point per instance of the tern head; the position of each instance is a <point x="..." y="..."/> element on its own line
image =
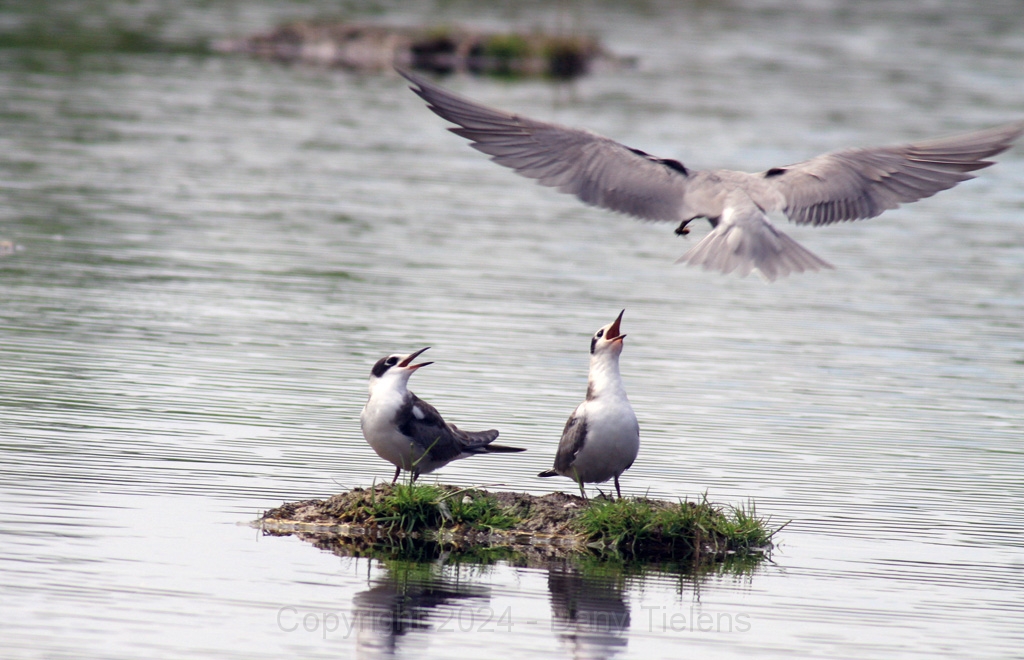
<point x="608" y="340"/>
<point x="395" y="370"/>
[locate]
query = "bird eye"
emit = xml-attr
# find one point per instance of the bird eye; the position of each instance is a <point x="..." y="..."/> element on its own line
<point x="391" y="361"/>
<point x="600" y="333"/>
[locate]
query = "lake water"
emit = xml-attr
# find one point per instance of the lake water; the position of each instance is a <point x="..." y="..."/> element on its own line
<point x="213" y="251"/>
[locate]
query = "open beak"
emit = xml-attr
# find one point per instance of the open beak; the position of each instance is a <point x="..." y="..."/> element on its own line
<point x="613" y="331"/>
<point x="412" y="356"/>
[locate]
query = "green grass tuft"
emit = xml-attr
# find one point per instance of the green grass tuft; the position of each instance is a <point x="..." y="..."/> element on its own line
<point x="417" y="507"/>
<point x="507" y="47"/>
<point x="475" y="508"/>
<point x="645" y="528"/>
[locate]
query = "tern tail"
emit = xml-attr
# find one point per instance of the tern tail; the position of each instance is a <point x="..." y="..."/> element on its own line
<point x="502" y="449"/>
<point x="759" y="246"/>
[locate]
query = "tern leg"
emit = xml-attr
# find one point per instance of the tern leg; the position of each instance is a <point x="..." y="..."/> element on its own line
<point x="617" y="491"/>
<point x="398" y="471"/>
<point x="415" y="475"/>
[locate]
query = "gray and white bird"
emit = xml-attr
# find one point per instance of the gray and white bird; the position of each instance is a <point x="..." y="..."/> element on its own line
<point x="601" y="439"/>
<point x="409" y="432"/>
<point x="850" y="184"/>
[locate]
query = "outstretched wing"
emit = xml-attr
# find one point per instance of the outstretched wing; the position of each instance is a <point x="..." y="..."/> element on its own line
<point x="861" y="183"/>
<point x="599" y="171"/>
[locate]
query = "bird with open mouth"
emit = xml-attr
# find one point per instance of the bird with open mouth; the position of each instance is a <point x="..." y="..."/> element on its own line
<point x="601" y="439"/>
<point x="850" y="184"/>
<point x="408" y="432"/>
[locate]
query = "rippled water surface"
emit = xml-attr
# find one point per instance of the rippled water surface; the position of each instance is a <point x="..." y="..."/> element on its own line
<point x="207" y="254"/>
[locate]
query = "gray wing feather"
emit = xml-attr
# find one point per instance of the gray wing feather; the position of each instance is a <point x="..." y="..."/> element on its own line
<point x="473" y="440"/>
<point x="599" y="171"/>
<point x="861" y="183"/>
<point x="443" y="441"/>
<point x="573" y="437"/>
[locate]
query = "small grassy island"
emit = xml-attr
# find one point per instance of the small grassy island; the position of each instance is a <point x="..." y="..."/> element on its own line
<point x="549" y="526"/>
<point x="438" y="49"/>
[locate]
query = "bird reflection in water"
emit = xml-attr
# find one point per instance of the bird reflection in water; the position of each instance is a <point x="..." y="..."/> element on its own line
<point x="406" y="599"/>
<point x="589" y="613"/>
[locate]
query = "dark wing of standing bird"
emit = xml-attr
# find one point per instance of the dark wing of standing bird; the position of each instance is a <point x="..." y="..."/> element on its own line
<point x="444" y="442"/>
<point x="573" y="436"/>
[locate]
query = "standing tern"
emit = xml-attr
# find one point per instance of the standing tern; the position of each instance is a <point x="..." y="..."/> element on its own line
<point x="601" y="439"/>
<point x="409" y="432"/>
<point x="850" y="184"/>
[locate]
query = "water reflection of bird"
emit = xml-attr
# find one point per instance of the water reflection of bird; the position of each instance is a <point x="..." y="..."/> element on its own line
<point x="589" y="614"/>
<point x="601" y="439"/>
<point x="409" y="432"/>
<point x="850" y="184"/>
<point x="397" y="604"/>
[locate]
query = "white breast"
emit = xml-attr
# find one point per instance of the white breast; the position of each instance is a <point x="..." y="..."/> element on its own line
<point x="382" y="434"/>
<point x="612" y="442"/>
